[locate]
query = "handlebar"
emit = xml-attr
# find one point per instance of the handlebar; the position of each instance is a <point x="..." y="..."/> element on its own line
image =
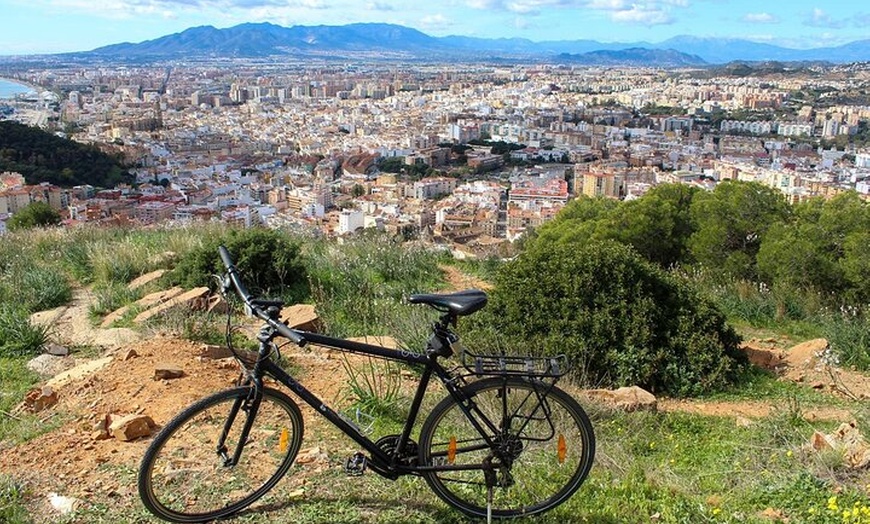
<point x="257" y="306"/>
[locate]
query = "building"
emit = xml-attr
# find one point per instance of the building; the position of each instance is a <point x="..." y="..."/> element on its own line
<point x="349" y="221"/>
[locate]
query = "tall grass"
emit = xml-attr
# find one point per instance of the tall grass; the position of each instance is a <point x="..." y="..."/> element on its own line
<point x="361" y="285"/>
<point x="800" y="313"/>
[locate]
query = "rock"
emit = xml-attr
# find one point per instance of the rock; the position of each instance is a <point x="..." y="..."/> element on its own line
<point x="311" y="455"/>
<point x="763" y="357"/>
<point x="631" y="398"/>
<point x="79" y="372"/>
<point x="806" y="353"/>
<point x="819" y="441"/>
<point x="131" y="427"/>
<point x="145" y="279"/>
<point x="38" y="399"/>
<point x="301" y="316"/>
<point x="743" y="422"/>
<point x="57" y="350"/>
<point x="214" y="352"/>
<point x="167" y="371"/>
<point x="47" y="366"/>
<point x="114" y="316"/>
<point x="848" y="440"/>
<point x="217" y="305"/>
<point x="188" y="298"/>
<point x="63" y="505"/>
<point x="129" y="354"/>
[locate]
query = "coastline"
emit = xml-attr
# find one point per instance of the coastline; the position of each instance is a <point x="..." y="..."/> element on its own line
<point x="30" y="87"/>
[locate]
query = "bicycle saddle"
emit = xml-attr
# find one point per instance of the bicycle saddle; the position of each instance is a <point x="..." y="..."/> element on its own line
<point x="460" y="303"/>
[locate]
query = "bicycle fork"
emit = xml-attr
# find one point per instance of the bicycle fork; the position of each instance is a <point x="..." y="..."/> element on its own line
<point x="250" y="405"/>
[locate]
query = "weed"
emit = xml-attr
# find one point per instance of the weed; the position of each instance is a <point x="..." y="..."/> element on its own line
<point x="376" y="387"/>
<point x="18" y="337"/>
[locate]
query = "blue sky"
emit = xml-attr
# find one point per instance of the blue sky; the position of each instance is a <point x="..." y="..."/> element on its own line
<point x="50" y="26"/>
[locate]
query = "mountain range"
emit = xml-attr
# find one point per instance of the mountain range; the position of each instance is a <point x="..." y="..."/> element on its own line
<point x="399" y="42"/>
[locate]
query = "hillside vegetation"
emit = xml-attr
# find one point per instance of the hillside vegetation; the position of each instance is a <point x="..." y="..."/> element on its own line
<point x="44" y="157"/>
<point x="653" y="291"/>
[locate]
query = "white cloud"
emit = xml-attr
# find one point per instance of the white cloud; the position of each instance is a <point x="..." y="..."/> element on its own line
<point x="436" y="22"/>
<point x="819" y="18"/>
<point x="642" y="15"/>
<point x="760" y="18"/>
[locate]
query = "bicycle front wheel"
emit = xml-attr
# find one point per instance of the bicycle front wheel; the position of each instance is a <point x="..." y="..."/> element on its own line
<point x="188" y="475"/>
<point x="539" y="442"/>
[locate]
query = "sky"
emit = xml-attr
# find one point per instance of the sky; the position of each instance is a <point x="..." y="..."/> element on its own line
<point x="56" y="26"/>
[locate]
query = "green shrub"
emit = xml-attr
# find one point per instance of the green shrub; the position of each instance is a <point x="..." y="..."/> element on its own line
<point x="620" y="319"/>
<point x="18" y="337"/>
<point x="269" y="262"/>
<point x="33" y="286"/>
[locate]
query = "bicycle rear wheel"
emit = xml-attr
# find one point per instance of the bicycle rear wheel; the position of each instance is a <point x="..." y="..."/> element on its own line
<point x="542" y="447"/>
<point x="185" y="477"/>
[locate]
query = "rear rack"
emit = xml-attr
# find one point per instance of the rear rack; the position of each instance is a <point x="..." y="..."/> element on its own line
<point x="507" y="365"/>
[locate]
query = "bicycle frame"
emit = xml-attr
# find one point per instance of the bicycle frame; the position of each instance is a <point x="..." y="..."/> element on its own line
<point x="385" y="464"/>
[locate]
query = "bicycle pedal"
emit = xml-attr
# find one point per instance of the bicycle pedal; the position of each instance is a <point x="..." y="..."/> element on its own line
<point x="355" y="464"/>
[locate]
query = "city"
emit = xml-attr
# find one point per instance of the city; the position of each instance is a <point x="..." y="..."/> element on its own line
<point x="469" y="156"/>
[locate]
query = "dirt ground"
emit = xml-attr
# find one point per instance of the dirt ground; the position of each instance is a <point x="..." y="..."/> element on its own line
<point x="69" y="460"/>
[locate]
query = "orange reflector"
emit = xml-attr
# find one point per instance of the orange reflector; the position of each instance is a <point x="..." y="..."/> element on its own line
<point x="562" y="449"/>
<point x="283" y="440"/>
<point x="451" y="450"/>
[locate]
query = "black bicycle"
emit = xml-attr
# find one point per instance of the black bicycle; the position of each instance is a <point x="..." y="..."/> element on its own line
<point x="505" y="441"/>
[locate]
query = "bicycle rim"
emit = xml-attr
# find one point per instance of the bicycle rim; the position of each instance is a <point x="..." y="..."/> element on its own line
<point x="546" y="447"/>
<point x="183" y="478"/>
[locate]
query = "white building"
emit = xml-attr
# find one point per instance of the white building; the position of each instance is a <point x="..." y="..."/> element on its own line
<point x="350" y="220"/>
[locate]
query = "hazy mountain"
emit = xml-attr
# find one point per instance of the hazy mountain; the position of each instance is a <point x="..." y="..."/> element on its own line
<point x="636" y="56"/>
<point x="264" y="39"/>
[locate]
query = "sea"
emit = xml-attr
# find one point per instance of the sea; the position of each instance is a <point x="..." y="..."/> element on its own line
<point x="10" y="89"/>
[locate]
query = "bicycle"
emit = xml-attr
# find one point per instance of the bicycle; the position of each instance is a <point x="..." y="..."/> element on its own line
<point x="504" y="442"/>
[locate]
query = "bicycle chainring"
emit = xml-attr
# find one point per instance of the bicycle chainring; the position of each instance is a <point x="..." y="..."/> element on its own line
<point x="388" y="445"/>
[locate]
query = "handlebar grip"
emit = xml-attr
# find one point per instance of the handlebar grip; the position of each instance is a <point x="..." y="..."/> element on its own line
<point x="225" y="256"/>
<point x="288" y="333"/>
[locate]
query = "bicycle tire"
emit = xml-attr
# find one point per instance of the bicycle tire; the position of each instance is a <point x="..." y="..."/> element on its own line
<point x="550" y="448"/>
<point x="182" y="477"/>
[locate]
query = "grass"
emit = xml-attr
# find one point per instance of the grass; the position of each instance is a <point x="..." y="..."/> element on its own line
<point x="659" y="467"/>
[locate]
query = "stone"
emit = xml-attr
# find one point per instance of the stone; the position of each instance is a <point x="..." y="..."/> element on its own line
<point x="63" y="505"/>
<point x="79" y="372"/>
<point x="819" y="441"/>
<point x="217" y="305"/>
<point x="627" y="399"/>
<point x="47" y="366"/>
<point x="145" y="279"/>
<point x="131" y="427"/>
<point x="188" y="298"/>
<point x="214" y="352"/>
<point x="311" y="455"/>
<point x="57" y="350"/>
<point x="166" y="371"/>
<point x="38" y="399"/>
<point x="302" y="316"/>
<point x="129" y="354"/>
<point x="763" y="357"/>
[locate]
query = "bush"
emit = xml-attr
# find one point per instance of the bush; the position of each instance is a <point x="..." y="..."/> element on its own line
<point x="620" y="319"/>
<point x="269" y="262"/>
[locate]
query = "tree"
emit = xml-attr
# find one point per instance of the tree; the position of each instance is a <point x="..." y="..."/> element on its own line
<point x="821" y="248"/>
<point x="620" y="319"/>
<point x="731" y="223"/>
<point x="37" y="214"/>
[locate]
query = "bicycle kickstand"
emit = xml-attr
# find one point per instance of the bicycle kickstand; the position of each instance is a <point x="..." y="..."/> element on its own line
<point x="490" y="477"/>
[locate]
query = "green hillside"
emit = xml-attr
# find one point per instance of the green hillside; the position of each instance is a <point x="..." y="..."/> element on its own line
<point x="43" y="157"/>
